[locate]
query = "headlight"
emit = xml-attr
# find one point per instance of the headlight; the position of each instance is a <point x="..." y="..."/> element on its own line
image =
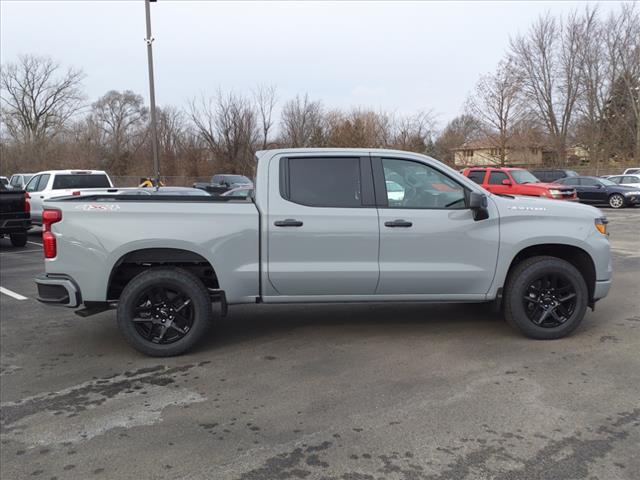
<point x="601" y="225"/>
<point x="553" y="191"/>
<point x="632" y="193"/>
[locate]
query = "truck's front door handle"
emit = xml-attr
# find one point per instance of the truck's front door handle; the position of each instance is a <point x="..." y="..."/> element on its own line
<point x="398" y="223"/>
<point x="289" y="222"/>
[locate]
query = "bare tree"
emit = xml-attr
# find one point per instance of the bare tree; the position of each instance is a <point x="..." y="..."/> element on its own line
<point x="626" y="51"/>
<point x="265" y="98"/>
<point x="547" y="60"/>
<point x="120" y="120"/>
<point x="458" y="131"/>
<point x="496" y="102"/>
<point x="413" y="132"/>
<point x="302" y="123"/>
<point x="228" y="125"/>
<point x="38" y="97"/>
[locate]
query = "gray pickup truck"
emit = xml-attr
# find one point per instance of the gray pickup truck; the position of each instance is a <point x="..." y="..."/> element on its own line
<point x="324" y="225"/>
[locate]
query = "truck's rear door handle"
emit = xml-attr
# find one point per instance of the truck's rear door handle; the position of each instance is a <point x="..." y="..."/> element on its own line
<point x="289" y="222"/>
<point x="398" y="223"/>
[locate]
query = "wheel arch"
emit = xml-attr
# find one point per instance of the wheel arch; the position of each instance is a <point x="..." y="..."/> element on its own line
<point x="134" y="262"/>
<point x="576" y="256"/>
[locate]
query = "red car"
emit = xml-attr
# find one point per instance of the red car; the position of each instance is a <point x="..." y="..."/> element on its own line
<point x="518" y="181"/>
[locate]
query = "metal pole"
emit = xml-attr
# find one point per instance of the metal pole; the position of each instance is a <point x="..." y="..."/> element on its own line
<point x="152" y="97"/>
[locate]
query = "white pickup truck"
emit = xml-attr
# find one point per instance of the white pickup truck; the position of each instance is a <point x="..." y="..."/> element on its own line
<point x="60" y="183"/>
<point x="324" y="225"/>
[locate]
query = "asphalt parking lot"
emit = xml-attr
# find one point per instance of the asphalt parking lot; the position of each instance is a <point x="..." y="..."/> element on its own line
<point x="358" y="392"/>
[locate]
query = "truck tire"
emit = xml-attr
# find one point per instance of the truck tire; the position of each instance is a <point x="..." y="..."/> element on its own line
<point x="164" y="312"/>
<point x="18" y="239"/>
<point x="545" y="298"/>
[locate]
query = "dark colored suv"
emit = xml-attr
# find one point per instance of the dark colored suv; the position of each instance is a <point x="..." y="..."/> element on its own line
<point x="553" y="174"/>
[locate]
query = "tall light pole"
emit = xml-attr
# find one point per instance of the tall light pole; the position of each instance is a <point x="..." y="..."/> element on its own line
<point x="152" y="95"/>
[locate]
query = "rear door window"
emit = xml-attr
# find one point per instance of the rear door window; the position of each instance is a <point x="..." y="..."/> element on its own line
<point x="477" y="176"/>
<point x="323" y="182"/>
<point x="496" y="178"/>
<point x="70" y="181"/>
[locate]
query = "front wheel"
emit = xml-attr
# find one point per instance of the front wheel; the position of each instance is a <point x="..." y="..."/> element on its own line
<point x="18" y="239"/>
<point x="616" y="201"/>
<point x="545" y="298"/>
<point x="163" y="312"/>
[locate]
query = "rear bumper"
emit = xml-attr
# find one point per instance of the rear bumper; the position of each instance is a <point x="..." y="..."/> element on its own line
<point x="15" y="225"/>
<point x="58" y="290"/>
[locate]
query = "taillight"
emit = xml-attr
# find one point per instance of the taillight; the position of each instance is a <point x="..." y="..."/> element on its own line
<point x="76" y="193"/>
<point x="27" y="204"/>
<point x="49" y="217"/>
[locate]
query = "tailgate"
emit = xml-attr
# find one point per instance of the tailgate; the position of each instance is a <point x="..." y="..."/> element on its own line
<point x="11" y="202"/>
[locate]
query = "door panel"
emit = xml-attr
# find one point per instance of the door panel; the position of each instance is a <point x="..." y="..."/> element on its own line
<point x="436" y="249"/>
<point x="323" y="235"/>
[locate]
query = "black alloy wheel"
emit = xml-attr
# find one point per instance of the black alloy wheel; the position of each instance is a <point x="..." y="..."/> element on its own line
<point x="550" y="300"/>
<point x="163" y="314"/>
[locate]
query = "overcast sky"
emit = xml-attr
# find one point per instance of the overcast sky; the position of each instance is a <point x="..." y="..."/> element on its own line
<point x="401" y="56"/>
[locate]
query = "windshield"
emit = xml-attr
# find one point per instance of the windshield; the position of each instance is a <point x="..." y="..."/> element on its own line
<point x="605" y="181"/>
<point x="524" y="176"/>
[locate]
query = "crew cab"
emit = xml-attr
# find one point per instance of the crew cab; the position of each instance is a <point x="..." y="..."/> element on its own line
<point x="518" y="181"/>
<point x="323" y="225"/>
<point x="14" y="215"/>
<point x="60" y="183"/>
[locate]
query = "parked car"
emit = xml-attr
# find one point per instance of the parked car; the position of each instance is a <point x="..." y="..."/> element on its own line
<point x="631" y="171"/>
<point x="603" y="191"/>
<point x="626" y="180"/>
<point x="18" y="181"/>
<point x="552" y="174"/>
<point x="238" y="192"/>
<point x="4" y="181"/>
<point x="222" y="182"/>
<point x="323" y="228"/>
<point x="58" y="183"/>
<point x="518" y="181"/>
<point x="14" y="215"/>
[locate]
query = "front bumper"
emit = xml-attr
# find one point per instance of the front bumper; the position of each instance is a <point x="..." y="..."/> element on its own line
<point x="601" y="289"/>
<point x="632" y="199"/>
<point x="58" y="290"/>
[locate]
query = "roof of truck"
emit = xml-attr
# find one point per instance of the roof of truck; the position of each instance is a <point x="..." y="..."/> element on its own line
<point x="357" y="151"/>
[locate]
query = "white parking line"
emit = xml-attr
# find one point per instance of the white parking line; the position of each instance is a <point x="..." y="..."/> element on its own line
<point x="34" y="243"/>
<point x="15" y="295"/>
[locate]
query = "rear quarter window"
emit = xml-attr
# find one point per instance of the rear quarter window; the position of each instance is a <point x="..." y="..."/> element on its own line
<point x="63" y="182"/>
<point x="476" y="176"/>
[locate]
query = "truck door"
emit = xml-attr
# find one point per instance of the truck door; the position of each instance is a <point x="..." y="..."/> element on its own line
<point x="429" y="241"/>
<point x="35" y="187"/>
<point x="323" y="233"/>
<point x="495" y="185"/>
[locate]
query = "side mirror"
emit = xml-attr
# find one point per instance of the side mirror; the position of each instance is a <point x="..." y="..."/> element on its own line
<point x="598" y="185"/>
<point x="478" y="205"/>
<point x="507" y="182"/>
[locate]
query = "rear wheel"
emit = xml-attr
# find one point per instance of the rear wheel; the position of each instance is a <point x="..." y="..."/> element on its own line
<point x="18" y="239"/>
<point x="546" y="298"/>
<point x="164" y="311"/>
<point x="616" y="201"/>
